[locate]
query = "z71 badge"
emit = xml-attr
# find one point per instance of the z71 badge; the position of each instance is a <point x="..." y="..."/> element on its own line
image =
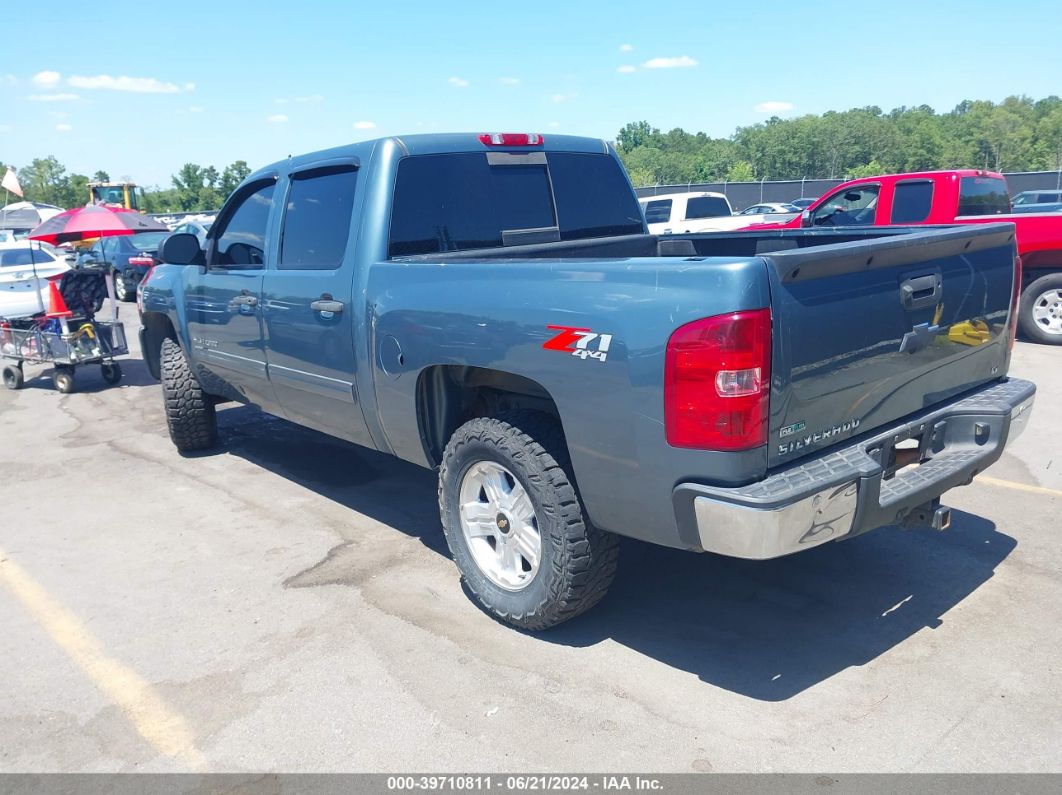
<point x="580" y="342"/>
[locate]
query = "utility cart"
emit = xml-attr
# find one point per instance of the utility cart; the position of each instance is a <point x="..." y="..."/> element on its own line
<point x="68" y="336"/>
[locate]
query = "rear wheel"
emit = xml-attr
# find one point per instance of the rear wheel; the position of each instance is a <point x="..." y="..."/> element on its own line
<point x="1040" y="311"/>
<point x="111" y="372"/>
<point x="515" y="525"/>
<point x="190" y="414"/>
<point x="124" y="288"/>
<point x="13" y="378"/>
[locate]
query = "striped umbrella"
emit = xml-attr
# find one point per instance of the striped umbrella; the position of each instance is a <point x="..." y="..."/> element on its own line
<point x="92" y="221"/>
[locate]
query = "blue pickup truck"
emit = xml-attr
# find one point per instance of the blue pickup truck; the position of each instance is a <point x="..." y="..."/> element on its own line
<point x="492" y="307"/>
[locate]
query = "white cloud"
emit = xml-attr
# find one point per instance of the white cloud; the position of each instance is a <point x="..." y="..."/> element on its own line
<point x="6" y="128"/>
<point x="195" y="108"/>
<point x="138" y="85"/>
<point x="52" y="97"/>
<point x="554" y="124"/>
<point x="277" y="118"/>
<point x="63" y="127"/>
<point x="364" y="125"/>
<point x="47" y="79"/>
<point x="626" y="47"/>
<point x="773" y="106"/>
<point x="509" y="81"/>
<point x="681" y="62"/>
<point x="558" y="98"/>
<point x="626" y="69"/>
<point x="9" y="80"/>
<point x="458" y="82"/>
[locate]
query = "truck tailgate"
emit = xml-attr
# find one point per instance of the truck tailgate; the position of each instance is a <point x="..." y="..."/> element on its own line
<point x="868" y="332"/>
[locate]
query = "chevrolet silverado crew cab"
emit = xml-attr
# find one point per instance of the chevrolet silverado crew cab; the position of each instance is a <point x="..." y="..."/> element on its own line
<point x="491" y="306"/>
<point x="964" y="196"/>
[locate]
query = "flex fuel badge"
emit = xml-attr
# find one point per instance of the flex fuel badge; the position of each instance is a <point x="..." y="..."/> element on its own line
<point x="580" y="342"/>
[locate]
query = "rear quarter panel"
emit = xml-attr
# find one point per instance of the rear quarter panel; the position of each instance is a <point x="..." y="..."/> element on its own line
<point x="496" y="314"/>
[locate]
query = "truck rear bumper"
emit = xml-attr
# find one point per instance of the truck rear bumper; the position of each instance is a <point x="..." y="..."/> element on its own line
<point x="861" y="486"/>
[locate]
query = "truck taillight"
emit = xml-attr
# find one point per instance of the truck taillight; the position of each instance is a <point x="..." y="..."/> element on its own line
<point x="717" y="379"/>
<point x="1015" y="298"/>
<point x="511" y="139"/>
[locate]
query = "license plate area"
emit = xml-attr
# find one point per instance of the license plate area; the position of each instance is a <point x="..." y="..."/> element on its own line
<point x="910" y="449"/>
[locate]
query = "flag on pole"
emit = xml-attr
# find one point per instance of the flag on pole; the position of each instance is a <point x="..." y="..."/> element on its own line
<point x="10" y="182"/>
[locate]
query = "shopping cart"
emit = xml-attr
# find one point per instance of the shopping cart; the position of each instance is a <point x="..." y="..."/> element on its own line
<point x="67" y="339"/>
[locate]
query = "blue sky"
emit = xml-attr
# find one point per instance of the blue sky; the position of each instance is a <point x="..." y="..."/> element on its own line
<point x="137" y="91"/>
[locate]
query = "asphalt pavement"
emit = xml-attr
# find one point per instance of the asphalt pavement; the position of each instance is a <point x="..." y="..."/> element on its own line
<point x="287" y="603"/>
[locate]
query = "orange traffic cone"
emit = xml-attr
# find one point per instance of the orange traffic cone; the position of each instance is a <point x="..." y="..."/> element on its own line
<point x="56" y="305"/>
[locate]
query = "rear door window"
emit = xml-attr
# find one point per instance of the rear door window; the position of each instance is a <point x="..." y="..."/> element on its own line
<point x="983" y="196"/>
<point x="658" y="211"/>
<point x="706" y="207"/>
<point x="461" y="202"/>
<point x="911" y="202"/>
<point x="317" y="219"/>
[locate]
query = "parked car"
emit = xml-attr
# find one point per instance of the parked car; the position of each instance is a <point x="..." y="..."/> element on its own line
<point x="802" y="203"/>
<point x="26" y="268"/>
<point x="771" y="208"/>
<point x="491" y="306"/>
<point x="1036" y="197"/>
<point x="128" y="257"/>
<point x="684" y="212"/>
<point x="197" y="228"/>
<point x="964" y="196"/>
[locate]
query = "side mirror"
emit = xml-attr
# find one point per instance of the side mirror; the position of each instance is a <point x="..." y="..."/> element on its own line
<point x="182" y="249"/>
<point x="805" y="219"/>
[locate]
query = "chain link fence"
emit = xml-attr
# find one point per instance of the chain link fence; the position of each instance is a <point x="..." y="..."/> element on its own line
<point x="744" y="194"/>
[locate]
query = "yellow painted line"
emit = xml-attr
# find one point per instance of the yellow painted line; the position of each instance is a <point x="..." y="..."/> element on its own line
<point x="161" y="726"/>
<point x="1010" y="484"/>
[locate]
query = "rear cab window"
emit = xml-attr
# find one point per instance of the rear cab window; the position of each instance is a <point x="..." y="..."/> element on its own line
<point x="467" y="201"/>
<point x="983" y="196"/>
<point x="706" y="207"/>
<point x="912" y="201"/>
<point x="658" y="211"/>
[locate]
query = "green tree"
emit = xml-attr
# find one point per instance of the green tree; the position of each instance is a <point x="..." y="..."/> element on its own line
<point x="741" y="171"/>
<point x="101" y="176"/>
<point x="635" y="134"/>
<point x="45" y="180"/>
<point x="232" y="176"/>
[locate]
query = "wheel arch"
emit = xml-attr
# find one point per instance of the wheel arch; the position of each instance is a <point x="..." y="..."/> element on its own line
<point x="156" y="328"/>
<point x="447" y="396"/>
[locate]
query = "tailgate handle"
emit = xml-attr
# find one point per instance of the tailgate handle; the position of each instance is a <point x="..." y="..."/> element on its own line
<point x="920" y="291"/>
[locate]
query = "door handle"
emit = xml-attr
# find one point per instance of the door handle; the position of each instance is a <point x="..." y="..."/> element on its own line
<point x="327" y="304"/>
<point x="921" y="291"/>
<point x="245" y="300"/>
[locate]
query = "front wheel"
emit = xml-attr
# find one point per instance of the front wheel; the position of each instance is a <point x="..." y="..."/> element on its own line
<point x="1040" y="310"/>
<point x="190" y="414"/>
<point x="515" y="525"/>
<point x="63" y="380"/>
<point x="111" y="372"/>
